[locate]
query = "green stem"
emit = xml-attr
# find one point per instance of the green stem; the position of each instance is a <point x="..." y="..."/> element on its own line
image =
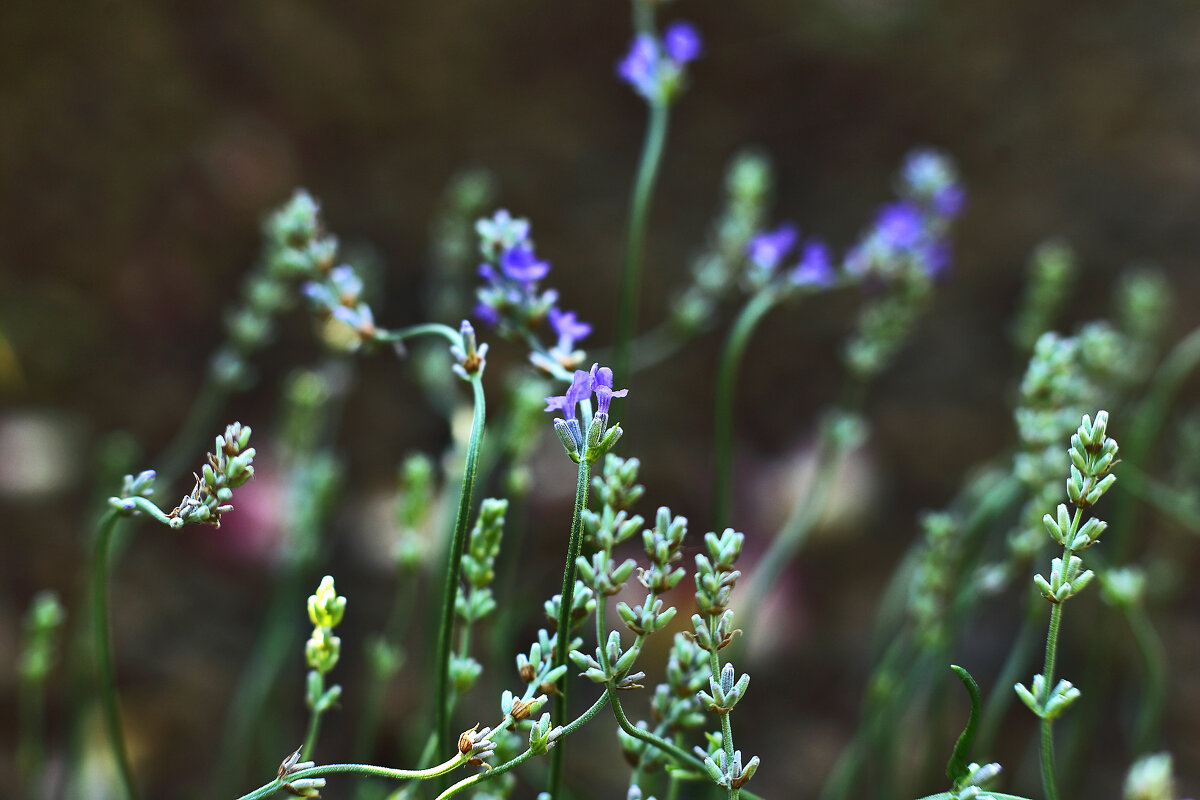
<point x="424" y="329"/>
<point x="562" y="641"/>
<point x="727" y="371"/>
<point x="201" y="419"/>
<point x="506" y="766"/>
<point x="1147" y="423"/>
<point x="714" y="663"/>
<point x="807" y="511"/>
<point x="359" y="769"/>
<point x="1002" y="694"/>
<point x="681" y="756"/>
<point x="104" y="652"/>
<point x="1047" y="750"/>
<point x="454" y="560"/>
<point x="1154" y="659"/>
<point x="274" y="646"/>
<point x="31" y="747"/>
<point x="643" y="191"/>
<point x="1163" y="498"/>
<point x="310" y="741"/>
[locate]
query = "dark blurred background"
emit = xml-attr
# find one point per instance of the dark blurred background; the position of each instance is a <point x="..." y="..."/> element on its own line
<point x="142" y="143"/>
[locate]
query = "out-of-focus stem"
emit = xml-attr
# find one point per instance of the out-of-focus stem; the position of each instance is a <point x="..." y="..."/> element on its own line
<point x="102" y="630"/>
<point x="643" y="192"/>
<point x="731" y="359"/>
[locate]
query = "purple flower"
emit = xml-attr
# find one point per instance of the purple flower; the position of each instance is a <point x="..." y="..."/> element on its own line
<point x="520" y="264"/>
<point x="487" y="313"/>
<point x="655" y="68"/>
<point x="581" y="388"/>
<point x="639" y="67"/>
<point x="681" y="41"/>
<point x="949" y="202"/>
<point x="602" y="380"/>
<point x="766" y="250"/>
<point x="899" y="226"/>
<point x="815" y="267"/>
<point x="569" y="329"/>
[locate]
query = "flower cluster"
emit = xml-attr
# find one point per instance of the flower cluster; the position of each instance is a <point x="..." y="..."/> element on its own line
<point x="748" y="184"/>
<point x="910" y="235"/>
<point x="337" y="300"/>
<point x="767" y="251"/>
<point x="600" y="438"/>
<point x="228" y="467"/>
<point x="655" y="67"/>
<point x="511" y="298"/>
<point x="323" y="649"/>
<point x="295" y="248"/>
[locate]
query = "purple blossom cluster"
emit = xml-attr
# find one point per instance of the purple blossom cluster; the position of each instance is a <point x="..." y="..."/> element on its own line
<point x="600" y="438"/>
<point x="339" y="297"/>
<point x="511" y="298"/>
<point x="598" y="381"/>
<point x="655" y="67"/>
<point x="909" y="235"/>
<point x="767" y="252"/>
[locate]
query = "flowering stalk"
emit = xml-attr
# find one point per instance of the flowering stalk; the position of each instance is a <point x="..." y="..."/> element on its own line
<point x="1093" y="454"/>
<point x="226" y="468"/>
<point x="655" y="69"/>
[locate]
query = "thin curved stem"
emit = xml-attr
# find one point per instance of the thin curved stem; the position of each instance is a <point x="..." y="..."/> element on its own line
<point x="790" y="538"/>
<point x="424" y="329"/>
<point x="517" y="761"/>
<point x="1154" y="660"/>
<point x="310" y="740"/>
<point x="680" y="755"/>
<point x="102" y="631"/>
<point x="643" y="192"/>
<point x="269" y="789"/>
<point x="727" y="371"/>
<point x="562" y="641"/>
<point x="454" y="559"/>
<point x="1019" y="654"/>
<point x="1147" y="423"/>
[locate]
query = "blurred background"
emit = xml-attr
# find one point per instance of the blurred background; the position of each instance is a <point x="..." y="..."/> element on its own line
<point x="142" y="144"/>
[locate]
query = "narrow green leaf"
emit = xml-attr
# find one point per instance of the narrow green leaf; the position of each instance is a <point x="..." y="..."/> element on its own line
<point x="956" y="768"/>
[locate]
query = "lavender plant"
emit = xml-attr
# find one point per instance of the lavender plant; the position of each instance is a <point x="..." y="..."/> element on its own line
<point x="686" y="738"/>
